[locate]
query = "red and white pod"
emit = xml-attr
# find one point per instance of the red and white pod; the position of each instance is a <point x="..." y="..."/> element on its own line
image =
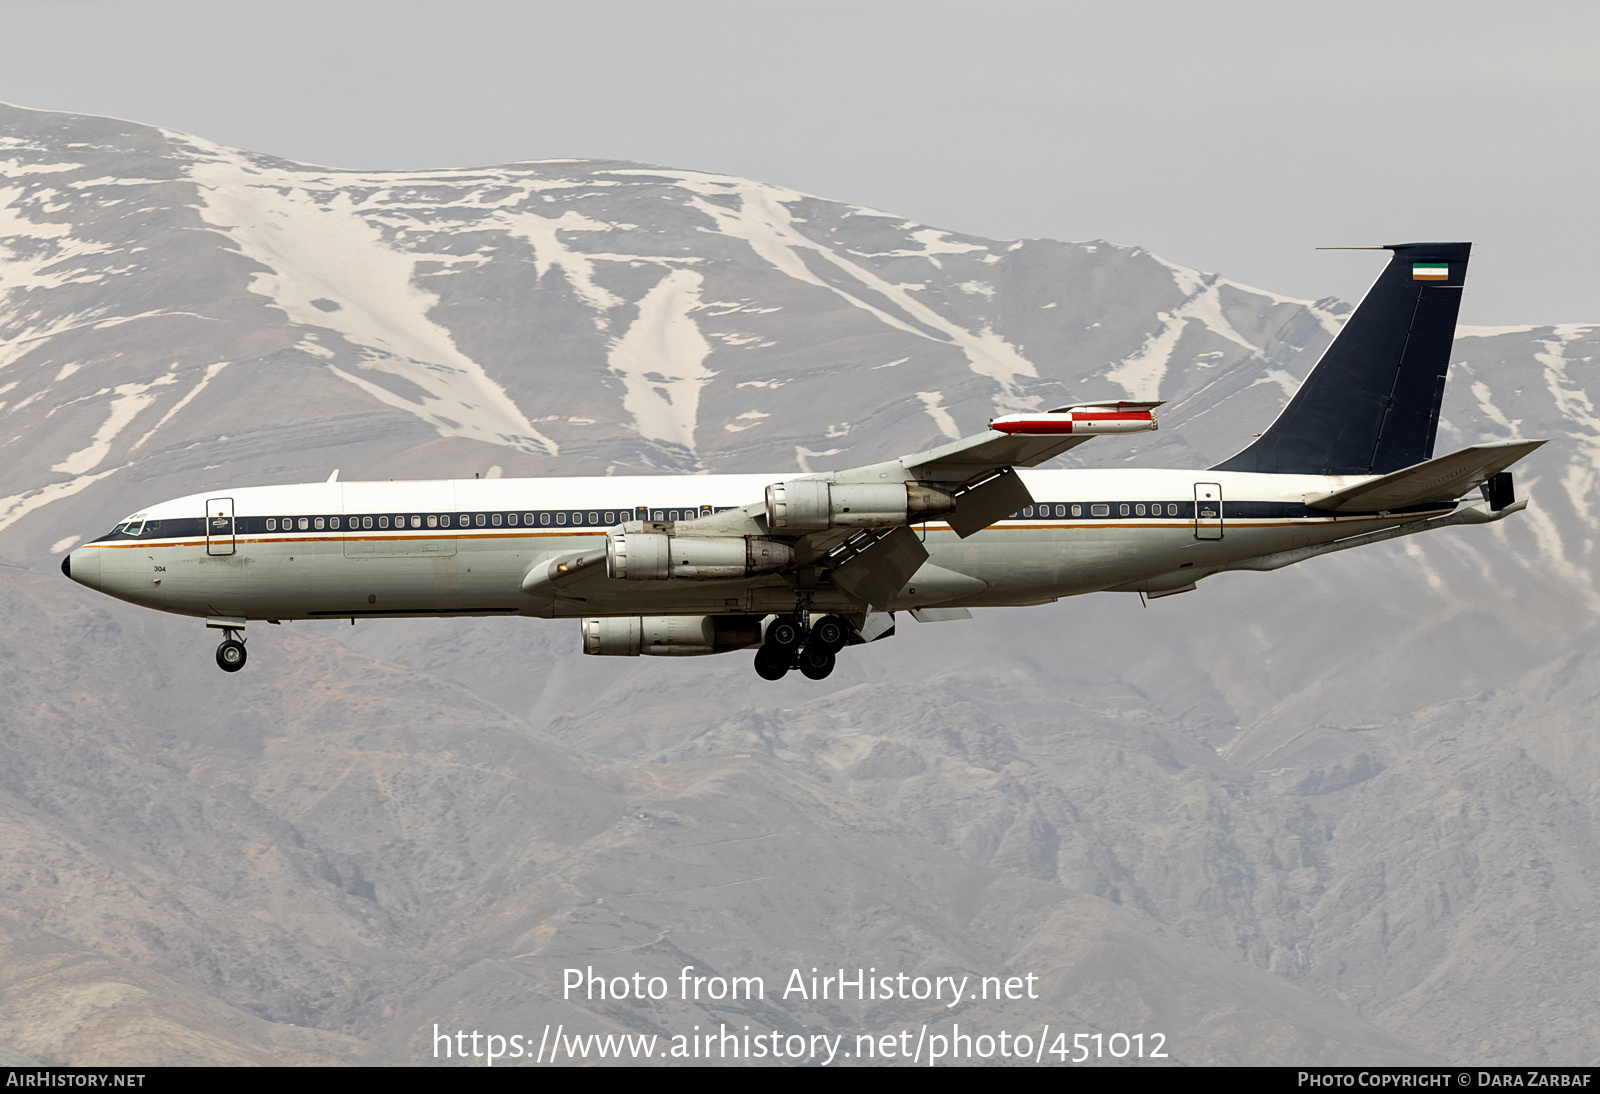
<point x="1089" y="420"/>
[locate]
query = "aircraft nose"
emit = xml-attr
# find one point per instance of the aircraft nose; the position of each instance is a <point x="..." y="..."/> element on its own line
<point x="83" y="566"/>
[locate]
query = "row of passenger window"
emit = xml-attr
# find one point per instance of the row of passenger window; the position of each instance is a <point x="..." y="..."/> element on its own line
<point x="593" y="518"/>
<point x="1103" y="509"/>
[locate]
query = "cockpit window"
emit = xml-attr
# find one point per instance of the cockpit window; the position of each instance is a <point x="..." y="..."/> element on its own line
<point x="135" y="527"/>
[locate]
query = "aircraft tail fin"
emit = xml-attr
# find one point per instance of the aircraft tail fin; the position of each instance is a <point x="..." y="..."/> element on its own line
<point x="1371" y="404"/>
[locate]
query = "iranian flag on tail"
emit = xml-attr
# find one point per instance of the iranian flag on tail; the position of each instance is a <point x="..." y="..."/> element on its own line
<point x="1430" y="271"/>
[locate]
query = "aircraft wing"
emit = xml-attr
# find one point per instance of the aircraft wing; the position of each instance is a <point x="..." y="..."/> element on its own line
<point x="1027" y="440"/>
<point x="856" y="525"/>
<point x="1438" y="480"/>
<point x="960" y="460"/>
<point x="979" y="469"/>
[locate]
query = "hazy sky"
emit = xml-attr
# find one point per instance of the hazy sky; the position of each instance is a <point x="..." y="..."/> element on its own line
<point x="1230" y="136"/>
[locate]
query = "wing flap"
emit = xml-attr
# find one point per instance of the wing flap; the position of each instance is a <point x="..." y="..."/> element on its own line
<point x="989" y="501"/>
<point x="1438" y="480"/>
<point x="879" y="565"/>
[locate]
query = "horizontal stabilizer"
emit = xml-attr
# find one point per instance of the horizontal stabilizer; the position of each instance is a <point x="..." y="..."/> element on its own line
<point x="1440" y="480"/>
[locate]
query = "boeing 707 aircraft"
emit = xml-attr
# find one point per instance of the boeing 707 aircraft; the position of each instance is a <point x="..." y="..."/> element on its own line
<point x="798" y="567"/>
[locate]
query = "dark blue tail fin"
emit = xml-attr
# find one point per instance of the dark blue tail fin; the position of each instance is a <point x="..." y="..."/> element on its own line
<point x="1371" y="405"/>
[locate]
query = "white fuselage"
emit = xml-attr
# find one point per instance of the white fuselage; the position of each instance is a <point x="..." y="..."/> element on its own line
<point x="464" y="547"/>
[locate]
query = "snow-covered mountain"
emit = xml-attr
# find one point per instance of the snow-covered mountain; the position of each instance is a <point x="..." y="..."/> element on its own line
<point x="1373" y="775"/>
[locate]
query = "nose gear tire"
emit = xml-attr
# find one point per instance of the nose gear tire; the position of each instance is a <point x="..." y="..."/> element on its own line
<point x="231" y="656"/>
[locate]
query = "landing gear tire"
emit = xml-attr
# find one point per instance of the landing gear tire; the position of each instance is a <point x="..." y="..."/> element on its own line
<point x="784" y="634"/>
<point x="231" y="655"/>
<point x="816" y="664"/>
<point x="830" y="633"/>
<point x="771" y="664"/>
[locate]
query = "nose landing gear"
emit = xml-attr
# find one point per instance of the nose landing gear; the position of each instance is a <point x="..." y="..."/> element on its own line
<point x="231" y="653"/>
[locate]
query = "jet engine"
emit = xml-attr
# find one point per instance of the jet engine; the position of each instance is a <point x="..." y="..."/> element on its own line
<point x="655" y="556"/>
<point x="810" y="505"/>
<point x="670" y="635"/>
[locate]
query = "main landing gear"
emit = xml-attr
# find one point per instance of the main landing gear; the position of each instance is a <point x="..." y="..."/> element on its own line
<point x="231" y="654"/>
<point x="790" y="644"/>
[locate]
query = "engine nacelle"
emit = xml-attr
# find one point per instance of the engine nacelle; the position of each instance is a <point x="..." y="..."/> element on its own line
<point x="810" y="505"/>
<point x="670" y="635"/>
<point x="655" y="556"/>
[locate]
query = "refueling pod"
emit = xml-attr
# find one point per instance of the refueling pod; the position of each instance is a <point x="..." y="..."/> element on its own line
<point x="810" y="505"/>
<point x="670" y="635"/>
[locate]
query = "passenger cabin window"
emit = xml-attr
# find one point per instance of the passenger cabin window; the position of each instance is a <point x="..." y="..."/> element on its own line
<point x="333" y="522"/>
<point x="1138" y="510"/>
<point x="1172" y="509"/>
<point x="1077" y="510"/>
<point x="594" y="518"/>
<point x="1099" y="510"/>
<point x="511" y="519"/>
<point x="544" y="518"/>
<point x="495" y="520"/>
<point x="527" y="518"/>
<point x="318" y="524"/>
<point x="305" y="523"/>
<point x="366" y="522"/>
<point x="383" y="522"/>
<point x="272" y="524"/>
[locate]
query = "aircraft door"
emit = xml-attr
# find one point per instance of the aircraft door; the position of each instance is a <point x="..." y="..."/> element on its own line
<point x="219" y="526"/>
<point x="1207" y="510"/>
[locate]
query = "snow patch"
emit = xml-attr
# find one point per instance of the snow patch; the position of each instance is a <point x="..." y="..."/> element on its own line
<point x="751" y="419"/>
<point x="1464" y="331"/>
<point x="320" y="246"/>
<point x="1582" y="480"/>
<point x="17" y="506"/>
<point x="661" y="361"/>
<point x="763" y="221"/>
<point x="549" y="251"/>
<point x="1480" y="392"/>
<point x="931" y="401"/>
<point x="126" y="403"/>
<point x="804" y="456"/>
<point x="211" y="370"/>
<point x="1283" y="379"/>
<point x="1141" y="373"/>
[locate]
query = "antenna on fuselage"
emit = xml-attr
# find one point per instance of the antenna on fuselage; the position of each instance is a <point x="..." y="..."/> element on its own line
<point x="335" y="476"/>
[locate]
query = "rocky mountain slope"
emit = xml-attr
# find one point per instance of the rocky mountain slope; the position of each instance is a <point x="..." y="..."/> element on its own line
<point x="1342" y="811"/>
